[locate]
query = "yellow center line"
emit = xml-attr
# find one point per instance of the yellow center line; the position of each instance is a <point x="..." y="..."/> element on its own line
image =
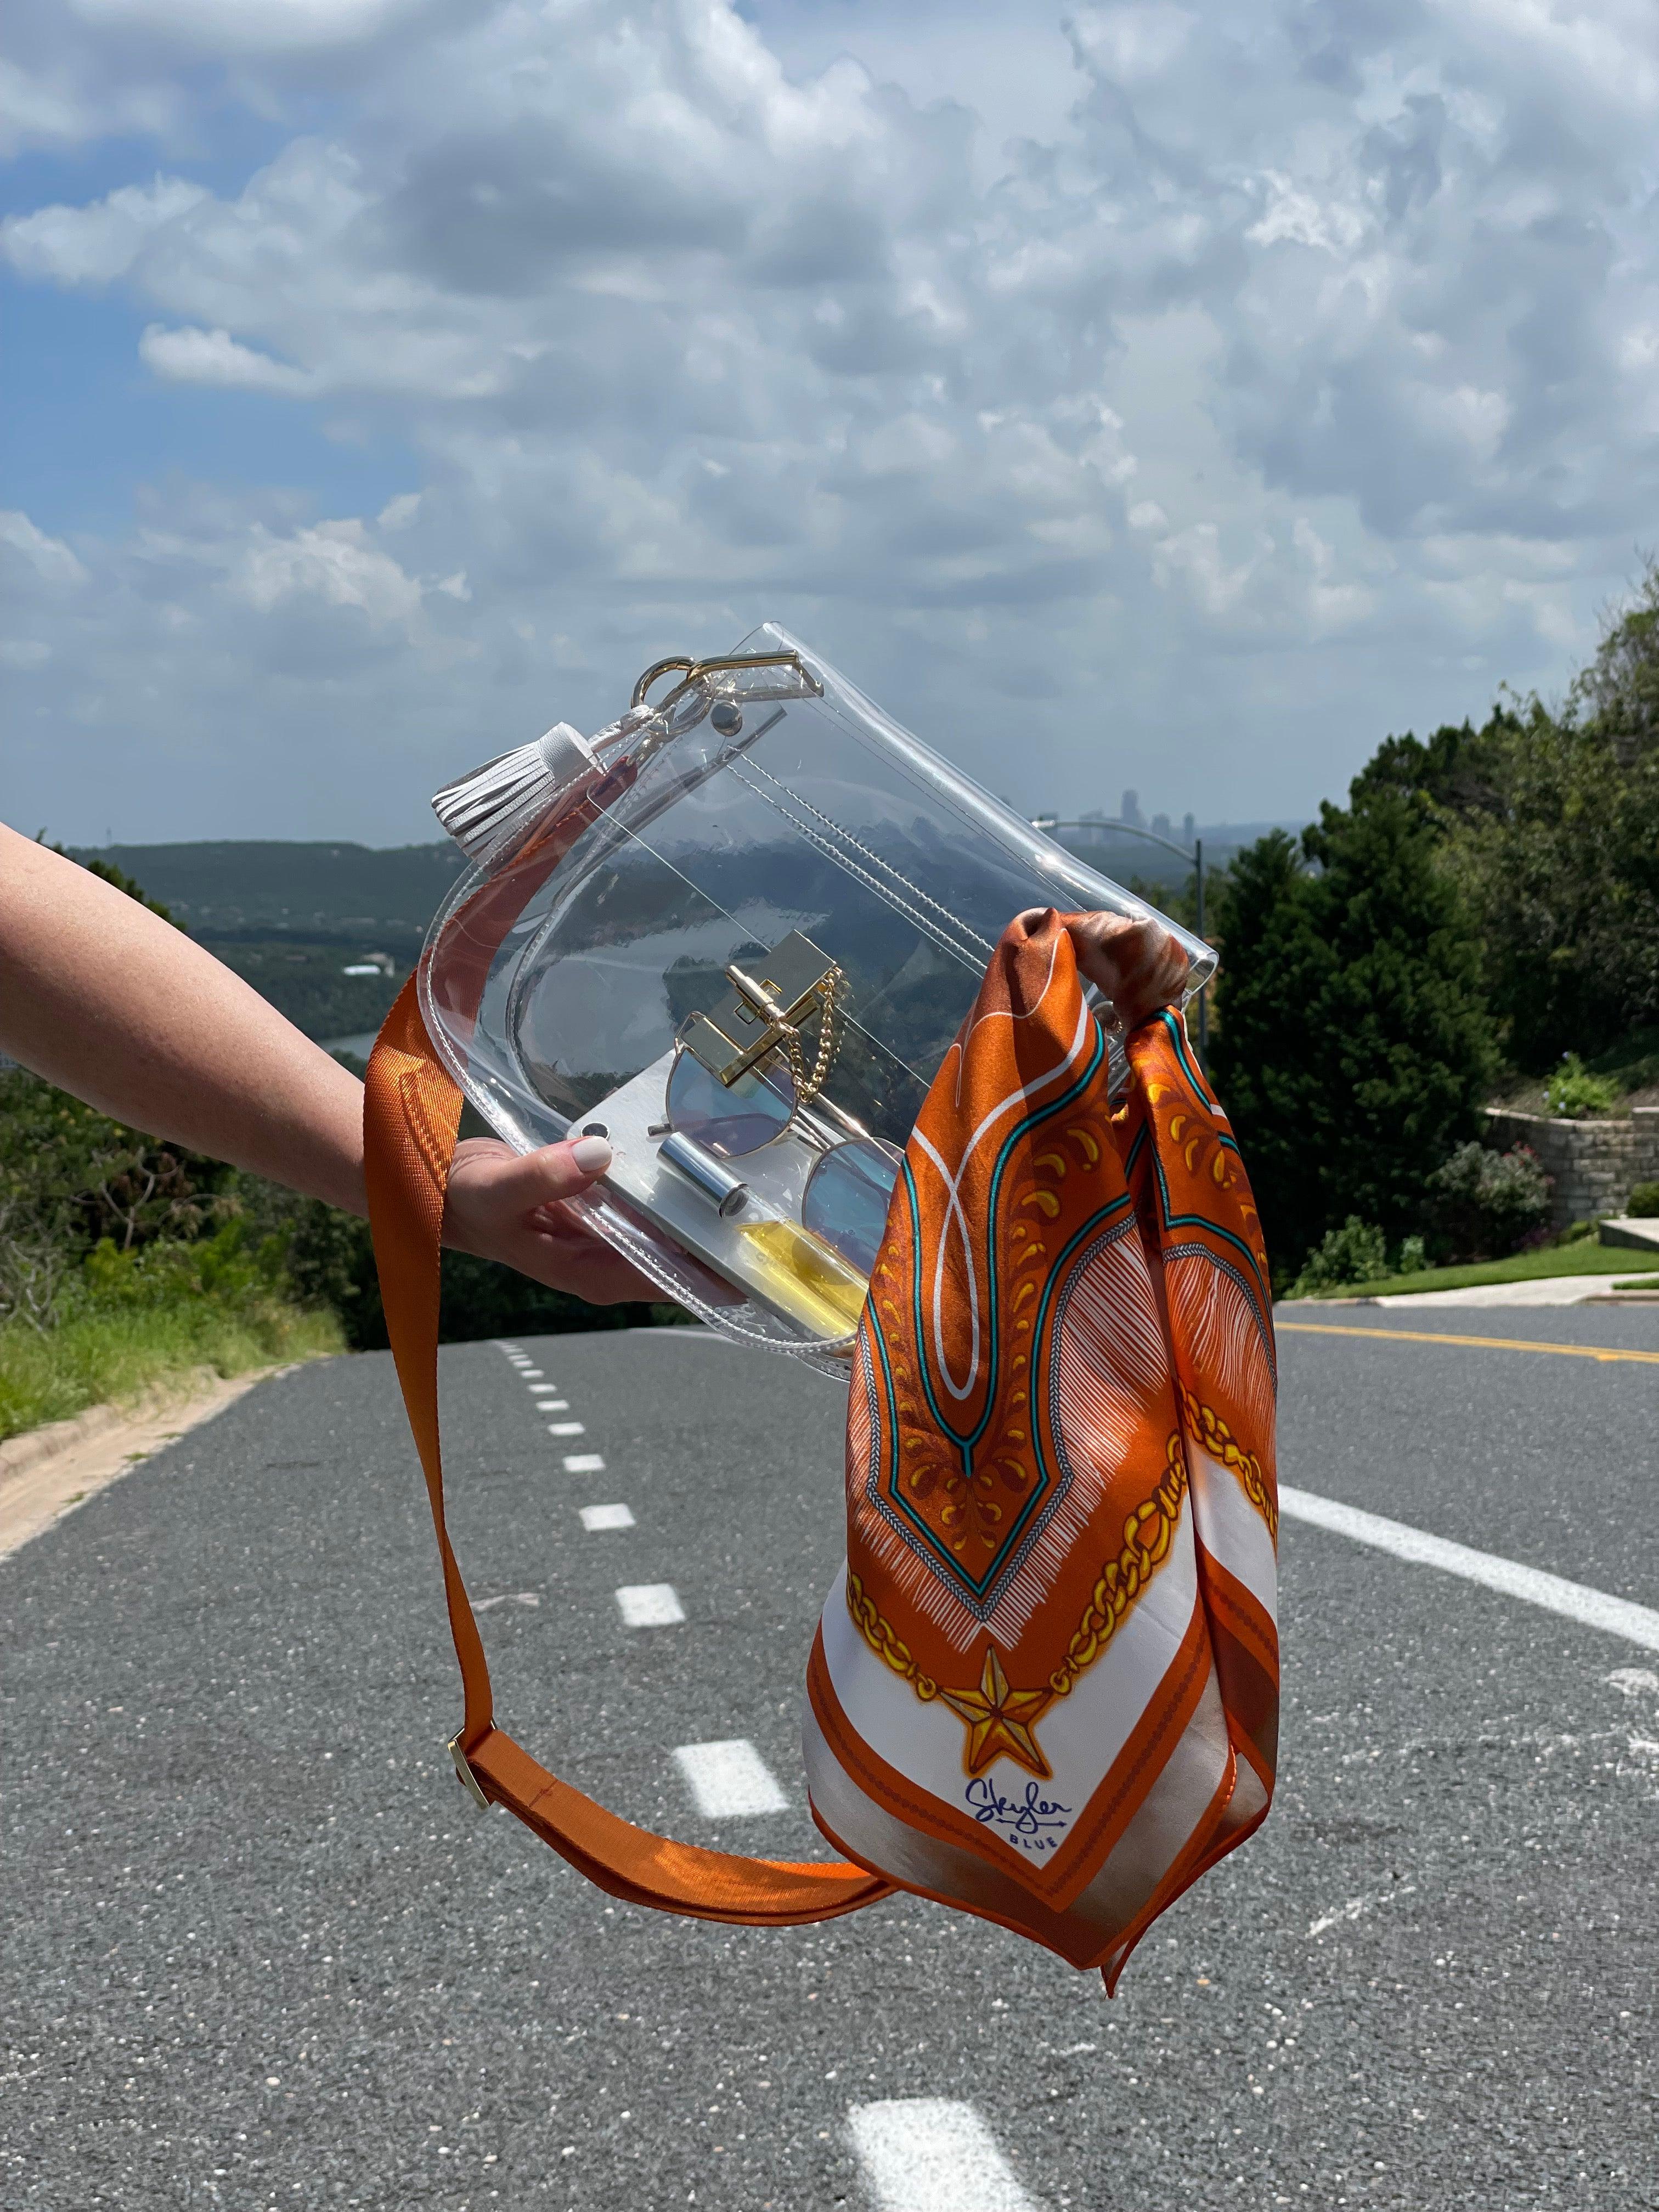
<point x="1489" y="1343"/>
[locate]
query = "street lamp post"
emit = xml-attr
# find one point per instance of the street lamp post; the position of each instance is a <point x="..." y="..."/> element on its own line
<point x="1052" y="822"/>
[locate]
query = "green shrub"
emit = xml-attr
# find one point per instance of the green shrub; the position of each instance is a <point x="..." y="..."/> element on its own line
<point x="123" y="1322"/>
<point x="1643" y="1202"/>
<point x="1488" y="1203"/>
<point x="1358" y="1252"/>
<point x="1573" y="1094"/>
<point x="1413" y="1257"/>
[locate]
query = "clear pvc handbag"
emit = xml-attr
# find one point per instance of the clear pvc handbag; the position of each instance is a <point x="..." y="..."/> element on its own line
<point x="735" y="933"/>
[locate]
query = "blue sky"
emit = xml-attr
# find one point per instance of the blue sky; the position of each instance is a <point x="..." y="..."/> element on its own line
<point x="1131" y="396"/>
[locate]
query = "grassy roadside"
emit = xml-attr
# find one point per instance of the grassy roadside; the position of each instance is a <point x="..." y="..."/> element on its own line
<point x="1585" y="1258"/>
<point x="136" y="1322"/>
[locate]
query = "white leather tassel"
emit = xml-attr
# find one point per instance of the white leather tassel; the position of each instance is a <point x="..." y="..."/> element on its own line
<point x="486" y="810"/>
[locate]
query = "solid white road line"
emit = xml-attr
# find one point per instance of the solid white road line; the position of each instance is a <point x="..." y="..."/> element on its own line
<point x="1592" y="1608"/>
<point x="932" y="2154"/>
<point x="566" y="1429"/>
<point x="606" y="1516"/>
<point x="583" y="1463"/>
<point x="729" y="1781"/>
<point x="649" y="1605"/>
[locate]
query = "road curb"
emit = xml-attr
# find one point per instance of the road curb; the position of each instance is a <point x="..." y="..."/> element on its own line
<point x="28" y="1451"/>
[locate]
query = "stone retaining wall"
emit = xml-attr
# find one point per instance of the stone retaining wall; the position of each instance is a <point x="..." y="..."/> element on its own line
<point x="1594" y="1165"/>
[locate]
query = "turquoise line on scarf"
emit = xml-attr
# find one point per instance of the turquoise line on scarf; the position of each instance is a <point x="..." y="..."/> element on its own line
<point x="965" y="1442"/>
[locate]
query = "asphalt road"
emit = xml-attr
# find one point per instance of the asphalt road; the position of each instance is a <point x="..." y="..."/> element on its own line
<point x="260" y="1951"/>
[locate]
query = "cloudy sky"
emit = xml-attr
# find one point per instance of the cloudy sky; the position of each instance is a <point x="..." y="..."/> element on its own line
<point x="1181" y="397"/>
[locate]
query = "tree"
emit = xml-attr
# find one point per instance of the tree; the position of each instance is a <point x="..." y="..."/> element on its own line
<point x="1457" y="771"/>
<point x="1562" y="873"/>
<point x="1618" y="694"/>
<point x="1550" y="821"/>
<point x="1352" y="1049"/>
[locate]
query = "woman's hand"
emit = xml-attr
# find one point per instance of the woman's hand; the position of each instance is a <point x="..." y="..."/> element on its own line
<point x="508" y="1206"/>
<point x="1138" y="965"/>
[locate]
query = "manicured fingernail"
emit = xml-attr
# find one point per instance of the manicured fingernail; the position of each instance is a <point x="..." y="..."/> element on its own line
<point x="592" y="1155"/>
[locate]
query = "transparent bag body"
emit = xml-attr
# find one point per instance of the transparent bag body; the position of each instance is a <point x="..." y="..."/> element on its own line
<point x="762" y="816"/>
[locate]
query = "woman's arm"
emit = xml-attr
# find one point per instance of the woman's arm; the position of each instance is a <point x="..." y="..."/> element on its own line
<point x="110" y="1002"/>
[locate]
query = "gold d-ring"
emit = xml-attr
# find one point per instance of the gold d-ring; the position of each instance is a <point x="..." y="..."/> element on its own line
<point x="695" y="670"/>
<point x="464" y="1774"/>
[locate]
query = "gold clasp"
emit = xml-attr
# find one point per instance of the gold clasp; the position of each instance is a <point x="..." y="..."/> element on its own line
<point x="768" y="1013"/>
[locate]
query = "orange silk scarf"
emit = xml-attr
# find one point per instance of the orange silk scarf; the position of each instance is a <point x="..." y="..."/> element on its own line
<point x="1047" y="1690"/>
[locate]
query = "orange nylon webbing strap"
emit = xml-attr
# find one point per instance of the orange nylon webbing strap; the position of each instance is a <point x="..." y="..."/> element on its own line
<point x="411" y="1110"/>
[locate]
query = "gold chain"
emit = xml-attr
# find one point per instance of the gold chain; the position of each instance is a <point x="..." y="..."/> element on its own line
<point x="883" y="1640"/>
<point x="1146" y="1538"/>
<point x="1147" y="1535"/>
<point x="1219" y="1442"/>
<point x="807" y="1087"/>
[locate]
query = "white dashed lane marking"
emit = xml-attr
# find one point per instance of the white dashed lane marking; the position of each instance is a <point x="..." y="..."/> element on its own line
<point x="1592" y="1608"/>
<point x="932" y="2154"/>
<point x="606" y="1516"/>
<point x="649" y="1605"/>
<point x="729" y="1781"/>
<point x="583" y="1463"/>
<point x="566" y="1429"/>
<point x="506" y="1597"/>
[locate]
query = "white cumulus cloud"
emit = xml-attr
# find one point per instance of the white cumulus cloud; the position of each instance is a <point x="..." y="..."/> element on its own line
<point x="276" y="27"/>
<point x="333" y="561"/>
<point x="1241" y="383"/>
<point x="49" y="557"/>
<point x="190" y="357"/>
<point x="95" y="244"/>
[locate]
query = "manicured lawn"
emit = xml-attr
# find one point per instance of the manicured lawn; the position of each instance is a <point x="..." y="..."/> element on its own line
<point x="1585" y="1258"/>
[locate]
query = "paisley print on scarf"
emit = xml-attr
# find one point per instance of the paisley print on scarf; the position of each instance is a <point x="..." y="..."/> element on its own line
<point x="1048" y="1686"/>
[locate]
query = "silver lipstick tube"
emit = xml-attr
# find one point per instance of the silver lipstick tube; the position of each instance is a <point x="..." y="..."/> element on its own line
<point x="724" y="1191"/>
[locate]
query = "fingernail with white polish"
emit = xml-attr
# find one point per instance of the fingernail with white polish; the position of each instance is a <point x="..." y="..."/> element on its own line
<point x="591" y="1154"/>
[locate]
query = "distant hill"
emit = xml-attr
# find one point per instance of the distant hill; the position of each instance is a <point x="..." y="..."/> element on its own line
<point x="292" y="918"/>
<point x="269" y="886"/>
